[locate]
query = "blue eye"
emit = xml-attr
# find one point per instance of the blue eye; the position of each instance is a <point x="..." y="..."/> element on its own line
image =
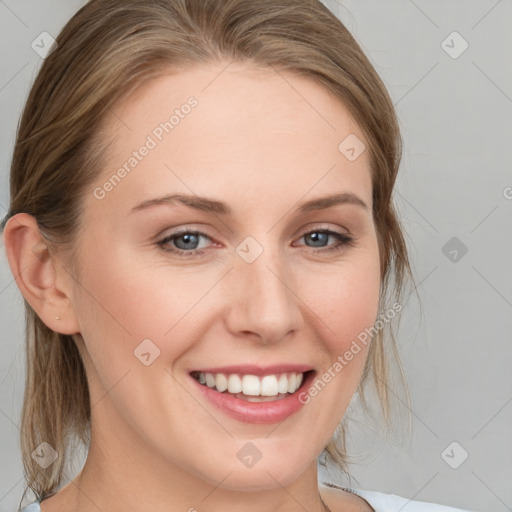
<point x="322" y="235"/>
<point x="188" y="240"/>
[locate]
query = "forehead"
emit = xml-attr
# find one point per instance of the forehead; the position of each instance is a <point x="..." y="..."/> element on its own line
<point x="232" y="130"/>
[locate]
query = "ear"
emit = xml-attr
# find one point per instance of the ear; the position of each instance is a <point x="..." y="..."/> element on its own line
<point x="37" y="275"/>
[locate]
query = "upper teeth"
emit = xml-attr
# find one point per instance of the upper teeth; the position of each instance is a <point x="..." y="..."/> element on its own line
<point x="269" y="385"/>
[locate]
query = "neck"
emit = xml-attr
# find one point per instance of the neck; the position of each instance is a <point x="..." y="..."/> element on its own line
<point x="131" y="483"/>
<point x="184" y="492"/>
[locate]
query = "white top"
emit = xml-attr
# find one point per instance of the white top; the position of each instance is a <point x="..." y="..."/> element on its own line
<point x="382" y="502"/>
<point x="379" y="501"/>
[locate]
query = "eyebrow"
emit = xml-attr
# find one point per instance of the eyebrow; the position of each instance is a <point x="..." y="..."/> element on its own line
<point x="212" y="206"/>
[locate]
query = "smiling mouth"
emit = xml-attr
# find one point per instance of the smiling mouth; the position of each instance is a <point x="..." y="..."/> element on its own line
<point x="253" y="388"/>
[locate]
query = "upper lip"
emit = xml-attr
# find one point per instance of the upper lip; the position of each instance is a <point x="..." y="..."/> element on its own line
<point x="253" y="369"/>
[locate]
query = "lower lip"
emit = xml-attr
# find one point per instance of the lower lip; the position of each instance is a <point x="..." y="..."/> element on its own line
<point x="256" y="412"/>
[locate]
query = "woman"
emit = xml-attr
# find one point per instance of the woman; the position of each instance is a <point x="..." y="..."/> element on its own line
<point x="201" y="225"/>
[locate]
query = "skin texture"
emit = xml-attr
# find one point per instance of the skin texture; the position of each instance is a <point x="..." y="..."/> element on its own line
<point x="263" y="142"/>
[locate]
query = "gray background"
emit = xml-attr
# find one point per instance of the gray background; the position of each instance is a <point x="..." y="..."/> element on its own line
<point x="455" y="112"/>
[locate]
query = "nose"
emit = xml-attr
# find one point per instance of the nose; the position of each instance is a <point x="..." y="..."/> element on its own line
<point x="264" y="302"/>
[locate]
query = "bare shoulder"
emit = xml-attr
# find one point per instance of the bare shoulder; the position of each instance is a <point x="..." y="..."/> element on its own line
<point x="339" y="500"/>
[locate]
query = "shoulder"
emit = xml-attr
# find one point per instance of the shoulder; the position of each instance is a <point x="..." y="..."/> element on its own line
<point x="382" y="502"/>
<point x="32" y="507"/>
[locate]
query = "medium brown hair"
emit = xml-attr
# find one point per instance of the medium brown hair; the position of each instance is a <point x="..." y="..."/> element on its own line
<point x="106" y="50"/>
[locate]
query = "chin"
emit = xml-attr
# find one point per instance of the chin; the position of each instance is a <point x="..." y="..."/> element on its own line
<point x="279" y="469"/>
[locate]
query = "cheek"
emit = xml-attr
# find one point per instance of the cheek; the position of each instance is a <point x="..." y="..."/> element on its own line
<point x="131" y="302"/>
<point x="345" y="303"/>
<point x="127" y="311"/>
<point x="346" y="300"/>
<point x="123" y="304"/>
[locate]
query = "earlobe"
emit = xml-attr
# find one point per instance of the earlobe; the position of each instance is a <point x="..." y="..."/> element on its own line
<point x="35" y="273"/>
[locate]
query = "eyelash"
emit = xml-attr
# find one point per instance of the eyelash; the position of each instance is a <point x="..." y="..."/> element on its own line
<point x="343" y="239"/>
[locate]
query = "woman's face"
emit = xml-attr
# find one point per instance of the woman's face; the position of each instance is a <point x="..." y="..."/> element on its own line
<point x="261" y="286"/>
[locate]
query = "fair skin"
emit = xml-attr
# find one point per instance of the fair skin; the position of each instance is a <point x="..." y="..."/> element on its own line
<point x="263" y="148"/>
